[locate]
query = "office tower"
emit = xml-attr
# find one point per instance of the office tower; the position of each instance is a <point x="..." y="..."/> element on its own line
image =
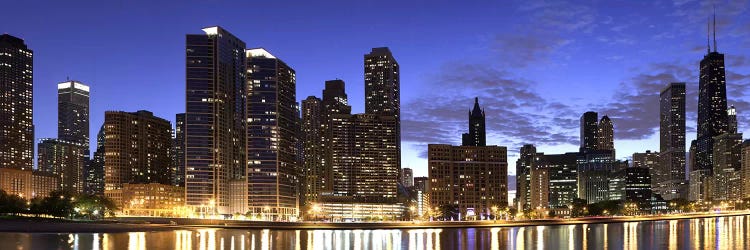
<point x="94" y="174"/>
<point x="313" y="169"/>
<point x="215" y="119"/>
<point x="73" y="112"/>
<point x="649" y="160"/>
<point x="137" y="150"/>
<point x="422" y="184"/>
<point x="526" y="161"/>
<point x="606" y="135"/>
<point x="594" y="169"/>
<point x="726" y="183"/>
<point x="589" y="130"/>
<point x="407" y="177"/>
<point x="563" y="187"/>
<point x="668" y="179"/>
<point x="539" y="187"/>
<point x="63" y="159"/>
<point x="382" y="90"/>
<point x="732" y="120"/>
<point x="477" y="135"/>
<point x="334" y="102"/>
<point x="179" y="150"/>
<point x="712" y="106"/>
<point x="272" y="136"/>
<point x="365" y="157"/>
<point x="634" y="187"/>
<point x="16" y="104"/>
<point x="473" y="178"/>
<point x="745" y="165"/>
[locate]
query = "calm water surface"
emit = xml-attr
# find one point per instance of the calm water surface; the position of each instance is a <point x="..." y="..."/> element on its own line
<point x="707" y="233"/>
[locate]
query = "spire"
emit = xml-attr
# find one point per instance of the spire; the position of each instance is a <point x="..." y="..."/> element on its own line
<point x="708" y="35"/>
<point x="476" y="111"/>
<point x="714" y="28"/>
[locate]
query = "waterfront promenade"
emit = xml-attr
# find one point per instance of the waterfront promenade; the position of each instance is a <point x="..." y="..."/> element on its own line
<point x="144" y="224"/>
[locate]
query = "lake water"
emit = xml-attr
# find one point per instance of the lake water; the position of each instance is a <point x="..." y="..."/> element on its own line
<point x="707" y="233"/>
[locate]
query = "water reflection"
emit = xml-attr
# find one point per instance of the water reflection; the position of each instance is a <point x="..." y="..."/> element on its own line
<point x="708" y="233"/>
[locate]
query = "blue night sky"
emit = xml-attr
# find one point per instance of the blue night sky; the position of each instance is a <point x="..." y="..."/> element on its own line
<point x="536" y="66"/>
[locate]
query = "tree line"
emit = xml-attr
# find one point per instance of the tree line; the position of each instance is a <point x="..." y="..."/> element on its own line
<point x="58" y="204"/>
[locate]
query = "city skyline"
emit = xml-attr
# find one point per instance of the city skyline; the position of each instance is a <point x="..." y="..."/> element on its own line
<point x="158" y="85"/>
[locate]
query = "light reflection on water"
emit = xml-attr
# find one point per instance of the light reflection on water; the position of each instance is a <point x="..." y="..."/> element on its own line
<point x="708" y="233"/>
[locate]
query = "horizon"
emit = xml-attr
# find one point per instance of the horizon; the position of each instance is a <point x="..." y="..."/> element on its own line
<point x="529" y="75"/>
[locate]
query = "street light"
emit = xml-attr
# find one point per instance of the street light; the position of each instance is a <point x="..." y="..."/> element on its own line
<point x="494" y="213"/>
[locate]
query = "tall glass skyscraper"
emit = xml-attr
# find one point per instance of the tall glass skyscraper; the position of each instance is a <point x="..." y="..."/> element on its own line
<point x="669" y="175"/>
<point x="712" y="106"/>
<point x="16" y="103"/>
<point x="73" y="112"/>
<point x="215" y="120"/>
<point x="272" y="136"/>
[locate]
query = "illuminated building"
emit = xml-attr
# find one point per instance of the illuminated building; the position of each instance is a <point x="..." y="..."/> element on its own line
<point x="28" y="184"/>
<point x="334" y="101"/>
<point x="589" y="132"/>
<point x="669" y="175"/>
<point x="179" y="150"/>
<point x="649" y="160"/>
<point x="16" y="103"/>
<point x="215" y="118"/>
<point x="605" y="135"/>
<point x="526" y="161"/>
<point x="596" y="158"/>
<point x="64" y="159"/>
<point x="137" y="151"/>
<point x="352" y="211"/>
<point x="539" y="187"/>
<point x="383" y="91"/>
<point x="632" y="184"/>
<point x="154" y="199"/>
<point x="313" y="168"/>
<point x="745" y="165"/>
<point x="272" y="136"/>
<point x="73" y="112"/>
<point x="726" y="182"/>
<point x="94" y="172"/>
<point x="470" y="177"/>
<point x="422" y="184"/>
<point x="407" y="177"/>
<point x="563" y="187"/>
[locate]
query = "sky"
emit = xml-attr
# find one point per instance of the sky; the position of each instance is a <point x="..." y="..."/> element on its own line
<point x="536" y="66"/>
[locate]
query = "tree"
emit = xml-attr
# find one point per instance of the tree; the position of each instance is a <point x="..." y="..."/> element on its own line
<point x="449" y="211"/>
<point x="578" y="207"/>
<point x="11" y="203"/>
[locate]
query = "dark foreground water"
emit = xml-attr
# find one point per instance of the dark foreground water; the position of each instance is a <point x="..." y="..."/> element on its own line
<point x="708" y="233"/>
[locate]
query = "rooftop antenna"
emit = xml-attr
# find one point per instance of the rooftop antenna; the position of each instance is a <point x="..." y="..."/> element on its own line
<point x="708" y="36"/>
<point x="714" y="28"/>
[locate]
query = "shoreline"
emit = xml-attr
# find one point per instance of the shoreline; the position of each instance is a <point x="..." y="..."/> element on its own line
<point x="144" y="224"/>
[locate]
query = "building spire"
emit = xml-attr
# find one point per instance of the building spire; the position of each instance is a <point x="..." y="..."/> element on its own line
<point x="708" y="35"/>
<point x="714" y="28"/>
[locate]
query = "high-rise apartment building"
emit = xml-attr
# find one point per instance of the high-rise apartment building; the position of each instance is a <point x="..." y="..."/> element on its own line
<point x="383" y="90"/>
<point x="137" y="149"/>
<point x="727" y="166"/>
<point x="94" y="173"/>
<point x="668" y="179"/>
<point x="526" y="161"/>
<point x="272" y="136"/>
<point x="16" y="103"/>
<point x="215" y="120"/>
<point x="179" y="150"/>
<point x="64" y="159"/>
<point x="477" y="135"/>
<point x="606" y="135"/>
<point x="313" y="169"/>
<point x="745" y="165"/>
<point x="73" y="112"/>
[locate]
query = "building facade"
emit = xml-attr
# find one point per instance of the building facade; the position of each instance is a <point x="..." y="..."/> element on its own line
<point x="313" y="169"/>
<point x="407" y="177"/>
<point x="477" y="135"/>
<point x="28" y="184"/>
<point x="64" y="159"/>
<point x="179" y="150"/>
<point x="94" y="173"/>
<point x="155" y="199"/>
<point x="745" y="165"/>
<point x="669" y="178"/>
<point x="563" y="178"/>
<point x="272" y="136"/>
<point x="606" y="135"/>
<point x="727" y="166"/>
<point x="383" y="91"/>
<point x="16" y="103"/>
<point x="215" y="119"/>
<point x="73" y="112"/>
<point x="472" y="178"/>
<point x="589" y="128"/>
<point x="137" y="150"/>
<point x="526" y="161"/>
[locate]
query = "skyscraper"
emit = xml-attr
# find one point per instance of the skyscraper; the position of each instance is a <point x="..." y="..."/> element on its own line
<point x="407" y="177"/>
<point x="335" y="101"/>
<point x="315" y="179"/>
<point x="382" y="90"/>
<point x="94" y="173"/>
<point x="589" y="132"/>
<point x="712" y="106"/>
<point x="16" y="103"/>
<point x="73" y="112"/>
<point x="726" y="182"/>
<point x="650" y="161"/>
<point x="65" y="160"/>
<point x="137" y="151"/>
<point x="563" y="177"/>
<point x="732" y="120"/>
<point x="606" y="135"/>
<point x="668" y="178"/>
<point x="215" y="120"/>
<point x="272" y="136"/>
<point x="179" y="150"/>
<point x="745" y="165"/>
<point x="477" y="135"/>
<point x="526" y="161"/>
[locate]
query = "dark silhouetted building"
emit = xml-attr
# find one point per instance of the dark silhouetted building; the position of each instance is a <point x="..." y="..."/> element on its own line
<point x="272" y="136"/>
<point x="137" y="150"/>
<point x="668" y="179"/>
<point x="215" y="122"/>
<point x="313" y="169"/>
<point x="179" y="150"/>
<point x="526" y="161"/>
<point x="606" y="135"/>
<point x="16" y="104"/>
<point x="563" y="177"/>
<point x="407" y="177"/>
<point x="633" y="185"/>
<point x="477" y="135"/>
<point x="94" y="173"/>
<point x="589" y="132"/>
